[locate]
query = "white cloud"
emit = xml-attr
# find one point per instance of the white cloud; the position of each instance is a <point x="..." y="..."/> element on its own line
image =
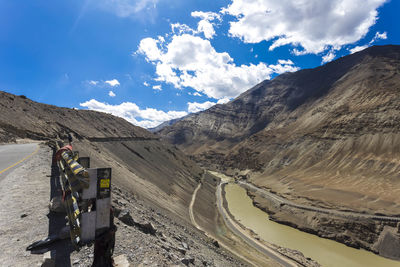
<point x="146" y="118"/>
<point x="157" y="87"/>
<point x="111" y="93"/>
<point x="194" y="107"/>
<point x="146" y="84"/>
<point x="205" y="25"/>
<point x="314" y="25"/>
<point x="161" y="39"/>
<point x="93" y="82"/>
<point x="358" y="48"/>
<point x="283" y="66"/>
<point x="127" y="8"/>
<point x="378" y="36"/>
<point x="328" y="57"/>
<point x="190" y="61"/>
<point x="285" y="62"/>
<point x="113" y="82"/>
<point x="223" y="100"/>
<point x="207" y="28"/>
<point x="178" y="28"/>
<point x="206" y="15"/>
<point x="195" y="94"/>
<point x="148" y="46"/>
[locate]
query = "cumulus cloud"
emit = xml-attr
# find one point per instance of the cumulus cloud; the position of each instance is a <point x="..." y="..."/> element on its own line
<point x="146" y="84"/>
<point x="111" y="94"/>
<point x="313" y="25"/>
<point x="285" y="62"/>
<point x="194" y="107"/>
<point x="328" y="57"/>
<point x="149" y="47"/>
<point x="191" y="61"/>
<point x="223" y="100"/>
<point x="157" y="87"/>
<point x="378" y="36"/>
<point x="112" y="83"/>
<point x="178" y="28"/>
<point x="146" y="118"/>
<point x="205" y="25"/>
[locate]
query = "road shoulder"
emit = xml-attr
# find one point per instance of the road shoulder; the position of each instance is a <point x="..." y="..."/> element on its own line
<point x="24" y="197"/>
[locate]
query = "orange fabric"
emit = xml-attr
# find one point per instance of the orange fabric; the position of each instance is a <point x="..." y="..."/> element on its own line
<point x="61" y="150"/>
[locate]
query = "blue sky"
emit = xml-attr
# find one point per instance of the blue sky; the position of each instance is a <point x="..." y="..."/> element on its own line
<point x="149" y="61"/>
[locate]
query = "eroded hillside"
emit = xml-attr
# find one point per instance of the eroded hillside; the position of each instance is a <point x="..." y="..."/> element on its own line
<point x="140" y="162"/>
<point x="329" y="134"/>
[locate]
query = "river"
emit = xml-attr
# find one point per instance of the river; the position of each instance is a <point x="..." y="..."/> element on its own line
<point x="326" y="252"/>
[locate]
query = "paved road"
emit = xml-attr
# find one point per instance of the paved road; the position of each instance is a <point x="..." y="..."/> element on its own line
<point x="345" y="214"/>
<point x="14" y="154"/>
<point x="248" y="239"/>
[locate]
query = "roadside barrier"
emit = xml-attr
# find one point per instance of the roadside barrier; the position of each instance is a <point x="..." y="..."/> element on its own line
<point x="87" y="198"/>
<point x="86" y="194"/>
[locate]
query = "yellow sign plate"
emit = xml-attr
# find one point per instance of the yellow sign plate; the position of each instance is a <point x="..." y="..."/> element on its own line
<point x="105" y="183"/>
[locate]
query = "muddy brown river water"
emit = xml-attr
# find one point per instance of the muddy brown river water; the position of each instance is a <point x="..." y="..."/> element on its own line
<point x="325" y="251"/>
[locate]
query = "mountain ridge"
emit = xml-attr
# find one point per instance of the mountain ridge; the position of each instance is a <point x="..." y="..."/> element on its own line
<point x="291" y="99"/>
<point x="303" y="133"/>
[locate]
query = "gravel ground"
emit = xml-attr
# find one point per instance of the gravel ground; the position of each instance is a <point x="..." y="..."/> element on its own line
<point x="175" y="243"/>
<point x="24" y="198"/>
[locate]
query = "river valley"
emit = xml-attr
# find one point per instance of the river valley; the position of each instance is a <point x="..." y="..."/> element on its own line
<point x="324" y="251"/>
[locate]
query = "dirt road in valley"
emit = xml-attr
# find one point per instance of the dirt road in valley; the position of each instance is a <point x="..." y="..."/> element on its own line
<point x="191" y="214"/>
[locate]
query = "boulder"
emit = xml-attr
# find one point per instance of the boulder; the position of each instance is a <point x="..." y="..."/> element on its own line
<point x="56" y="205"/>
<point x="125" y="217"/>
<point x="388" y="243"/>
<point x="121" y="261"/>
<point x="187" y="261"/>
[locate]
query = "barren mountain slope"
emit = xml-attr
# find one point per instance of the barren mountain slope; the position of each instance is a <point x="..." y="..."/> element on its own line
<point x="22" y="118"/>
<point x="266" y="103"/>
<point x="329" y="134"/>
<point x="141" y="163"/>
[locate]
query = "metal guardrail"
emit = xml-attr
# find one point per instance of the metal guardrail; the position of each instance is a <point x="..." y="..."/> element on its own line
<point x="73" y="178"/>
<point x="86" y="194"/>
<point x="87" y="199"/>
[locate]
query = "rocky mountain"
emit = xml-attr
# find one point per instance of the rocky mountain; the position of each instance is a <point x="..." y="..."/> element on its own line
<point x="140" y="162"/>
<point x="164" y="124"/>
<point x="328" y="135"/>
<point x="153" y="184"/>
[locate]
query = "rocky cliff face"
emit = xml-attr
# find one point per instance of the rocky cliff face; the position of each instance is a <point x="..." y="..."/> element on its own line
<point x="329" y="134"/>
